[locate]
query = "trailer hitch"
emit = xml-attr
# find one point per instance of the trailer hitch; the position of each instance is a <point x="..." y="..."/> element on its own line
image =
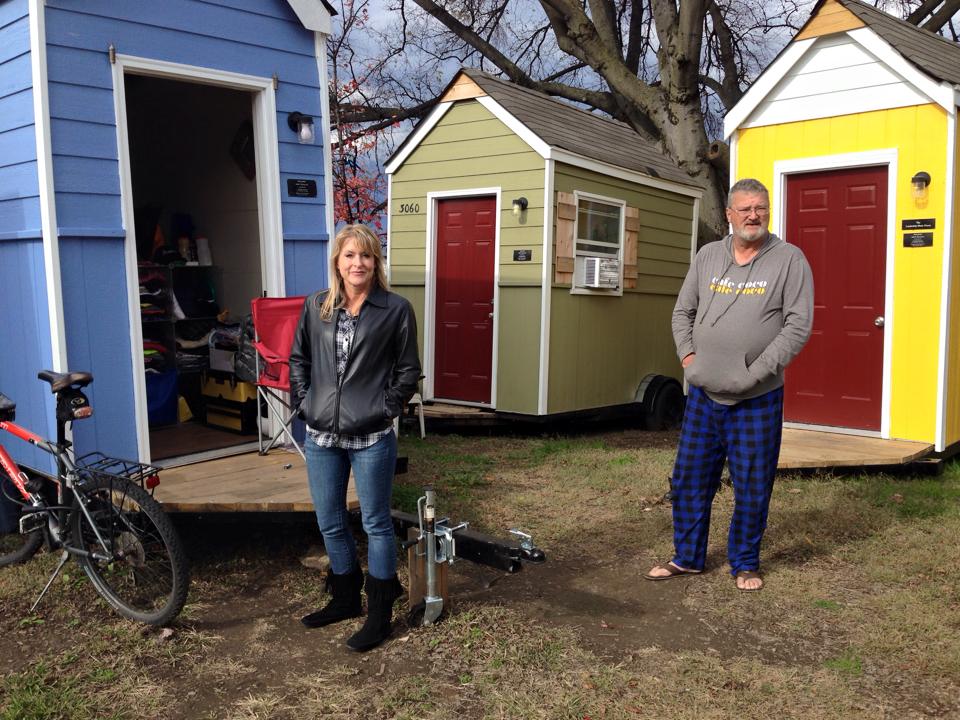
<point x="434" y="544"/>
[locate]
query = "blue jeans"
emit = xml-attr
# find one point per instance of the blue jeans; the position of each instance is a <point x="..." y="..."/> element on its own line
<point x="328" y="470"/>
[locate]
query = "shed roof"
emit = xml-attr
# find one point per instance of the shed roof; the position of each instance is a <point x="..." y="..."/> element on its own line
<point x="932" y="53"/>
<point x="549" y="124"/>
<point x="562" y="125"/>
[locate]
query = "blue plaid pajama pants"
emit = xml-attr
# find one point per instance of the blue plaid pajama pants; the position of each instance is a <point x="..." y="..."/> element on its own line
<point x="747" y="435"/>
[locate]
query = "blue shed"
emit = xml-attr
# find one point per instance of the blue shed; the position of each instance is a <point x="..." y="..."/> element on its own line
<point x="153" y="175"/>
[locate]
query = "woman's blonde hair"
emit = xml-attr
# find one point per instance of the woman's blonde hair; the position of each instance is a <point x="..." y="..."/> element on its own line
<point x="367" y="242"/>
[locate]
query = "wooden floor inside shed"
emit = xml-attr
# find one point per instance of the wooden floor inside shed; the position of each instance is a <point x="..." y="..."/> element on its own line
<point x="277" y="482"/>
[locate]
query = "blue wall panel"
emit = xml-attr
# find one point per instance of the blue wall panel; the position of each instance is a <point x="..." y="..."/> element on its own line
<point x="98" y="340"/>
<point x="306" y="268"/>
<point x="25" y="339"/>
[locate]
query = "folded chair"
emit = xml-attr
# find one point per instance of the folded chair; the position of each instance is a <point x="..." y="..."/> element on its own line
<point x="274" y="324"/>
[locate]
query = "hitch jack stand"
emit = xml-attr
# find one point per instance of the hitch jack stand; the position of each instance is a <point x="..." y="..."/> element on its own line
<point x="433" y="544"/>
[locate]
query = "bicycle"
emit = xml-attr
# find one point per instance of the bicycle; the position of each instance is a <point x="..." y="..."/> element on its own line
<point x="97" y="509"/>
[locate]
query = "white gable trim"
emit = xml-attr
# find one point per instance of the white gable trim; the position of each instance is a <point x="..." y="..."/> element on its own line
<point x="525" y="133"/>
<point x="418" y="135"/>
<point x="941" y="94"/>
<point x="546" y="288"/>
<point x="320" y="49"/>
<point x="312" y="15"/>
<point x="765" y="84"/>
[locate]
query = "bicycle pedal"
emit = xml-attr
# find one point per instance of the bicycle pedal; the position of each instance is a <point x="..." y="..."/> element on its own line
<point x="31" y="522"/>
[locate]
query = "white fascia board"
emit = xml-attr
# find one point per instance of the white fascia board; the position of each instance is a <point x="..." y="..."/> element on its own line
<point x="764" y="85"/>
<point x="603" y="168"/>
<point x="418" y="135"/>
<point x="525" y="133"/>
<point x="48" y="205"/>
<point x="320" y="44"/>
<point x="312" y="15"/>
<point x="940" y="93"/>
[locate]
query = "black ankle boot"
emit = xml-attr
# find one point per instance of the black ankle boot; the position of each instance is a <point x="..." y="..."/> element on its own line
<point x="376" y="629"/>
<point x="345" y="602"/>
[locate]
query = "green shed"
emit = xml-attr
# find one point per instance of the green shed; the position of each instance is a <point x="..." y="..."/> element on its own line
<point x="543" y="248"/>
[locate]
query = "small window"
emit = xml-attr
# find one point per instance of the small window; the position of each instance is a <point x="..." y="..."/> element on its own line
<point x="599" y="245"/>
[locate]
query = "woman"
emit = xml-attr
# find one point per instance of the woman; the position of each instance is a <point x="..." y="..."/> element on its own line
<point x="353" y="367"/>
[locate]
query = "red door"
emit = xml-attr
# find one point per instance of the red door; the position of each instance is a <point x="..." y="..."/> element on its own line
<point x="839" y="220"/>
<point x="466" y="229"/>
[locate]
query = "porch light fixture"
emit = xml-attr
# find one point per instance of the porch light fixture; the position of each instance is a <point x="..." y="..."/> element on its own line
<point x="920" y="184"/>
<point x="519" y="205"/>
<point x="302" y="125"/>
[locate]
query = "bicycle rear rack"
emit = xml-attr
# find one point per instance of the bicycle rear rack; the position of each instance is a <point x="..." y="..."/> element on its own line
<point x="142" y="474"/>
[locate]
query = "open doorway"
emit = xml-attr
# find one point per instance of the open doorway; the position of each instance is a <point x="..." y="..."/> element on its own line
<point x="197" y="220"/>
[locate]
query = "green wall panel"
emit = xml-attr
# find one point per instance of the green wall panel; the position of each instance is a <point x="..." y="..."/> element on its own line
<point x="602" y="347"/>
<point x="518" y="366"/>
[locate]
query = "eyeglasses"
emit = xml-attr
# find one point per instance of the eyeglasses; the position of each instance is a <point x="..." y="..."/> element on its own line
<point x="748" y="211"/>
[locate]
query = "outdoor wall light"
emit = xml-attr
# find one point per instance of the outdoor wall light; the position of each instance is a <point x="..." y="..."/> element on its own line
<point x="302" y="125"/>
<point x="519" y="205"/>
<point x="920" y="184"/>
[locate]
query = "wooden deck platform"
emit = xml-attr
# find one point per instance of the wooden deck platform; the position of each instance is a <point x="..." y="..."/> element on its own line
<point x="278" y="482"/>
<point x="251" y="482"/>
<point x="811" y="449"/>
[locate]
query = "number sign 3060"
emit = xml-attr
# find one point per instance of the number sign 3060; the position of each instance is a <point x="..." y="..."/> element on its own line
<point x="409" y="207"/>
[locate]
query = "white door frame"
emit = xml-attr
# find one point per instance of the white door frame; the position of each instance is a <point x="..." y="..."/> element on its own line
<point x="268" y="193"/>
<point x="430" y="293"/>
<point x="887" y="158"/>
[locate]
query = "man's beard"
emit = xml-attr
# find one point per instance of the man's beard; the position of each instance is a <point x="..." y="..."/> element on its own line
<point x="758" y="236"/>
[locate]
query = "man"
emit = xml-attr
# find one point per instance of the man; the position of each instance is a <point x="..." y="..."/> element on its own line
<point x="744" y="312"/>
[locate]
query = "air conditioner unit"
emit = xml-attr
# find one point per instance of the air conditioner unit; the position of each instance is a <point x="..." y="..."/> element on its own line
<point x="601" y="273"/>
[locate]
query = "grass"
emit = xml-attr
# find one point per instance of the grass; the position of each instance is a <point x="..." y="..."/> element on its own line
<point x="858" y="618"/>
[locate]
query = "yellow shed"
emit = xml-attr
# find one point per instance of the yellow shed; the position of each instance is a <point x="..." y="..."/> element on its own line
<point x="854" y="130"/>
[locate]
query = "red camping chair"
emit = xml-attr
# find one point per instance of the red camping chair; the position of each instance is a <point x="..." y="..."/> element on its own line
<point x="274" y="324"/>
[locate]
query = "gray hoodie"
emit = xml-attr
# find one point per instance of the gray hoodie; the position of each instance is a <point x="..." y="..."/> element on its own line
<point x="744" y="322"/>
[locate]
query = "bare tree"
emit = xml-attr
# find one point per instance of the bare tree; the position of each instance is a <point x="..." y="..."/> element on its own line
<point x="668" y="68"/>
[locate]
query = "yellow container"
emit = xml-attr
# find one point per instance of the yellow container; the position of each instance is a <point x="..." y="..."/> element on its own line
<point x="228" y="389"/>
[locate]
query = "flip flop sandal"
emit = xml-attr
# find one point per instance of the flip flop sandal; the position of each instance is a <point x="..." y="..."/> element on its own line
<point x="748" y="575"/>
<point x="672" y="569"/>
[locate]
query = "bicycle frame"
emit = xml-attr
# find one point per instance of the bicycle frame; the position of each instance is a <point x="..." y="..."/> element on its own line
<point x="67" y="474"/>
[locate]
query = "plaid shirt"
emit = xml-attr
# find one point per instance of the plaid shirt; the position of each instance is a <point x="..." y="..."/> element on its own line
<point x="346" y="327"/>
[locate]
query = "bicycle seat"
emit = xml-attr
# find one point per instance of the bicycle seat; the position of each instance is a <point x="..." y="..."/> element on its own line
<point x="61" y="381"/>
<point x="7" y="408"/>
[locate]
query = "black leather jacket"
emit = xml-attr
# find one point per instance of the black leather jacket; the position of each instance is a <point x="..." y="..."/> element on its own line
<point x="382" y="371"/>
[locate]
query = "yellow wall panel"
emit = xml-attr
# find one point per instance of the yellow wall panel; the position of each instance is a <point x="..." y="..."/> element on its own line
<point x="952" y="408"/>
<point x="918" y="134"/>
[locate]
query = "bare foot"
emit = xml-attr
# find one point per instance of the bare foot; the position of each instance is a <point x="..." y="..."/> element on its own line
<point x="749" y="581"/>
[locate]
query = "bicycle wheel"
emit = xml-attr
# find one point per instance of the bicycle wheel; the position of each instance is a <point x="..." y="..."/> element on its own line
<point x="147" y="575"/>
<point x="15" y="547"/>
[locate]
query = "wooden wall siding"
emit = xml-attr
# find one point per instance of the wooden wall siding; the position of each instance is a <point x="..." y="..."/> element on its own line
<point x="952" y="405"/>
<point x="25" y="328"/>
<point x="463" y="89"/>
<point x="601" y="348"/>
<point x="664" y="229"/>
<point x="469" y="148"/>
<point x="832" y="18"/>
<point x="836" y="77"/>
<point x="919" y="134"/>
<point x="19" y="186"/>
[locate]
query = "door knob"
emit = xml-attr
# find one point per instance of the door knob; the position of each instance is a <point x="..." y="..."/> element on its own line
<point x="878" y="321"/>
